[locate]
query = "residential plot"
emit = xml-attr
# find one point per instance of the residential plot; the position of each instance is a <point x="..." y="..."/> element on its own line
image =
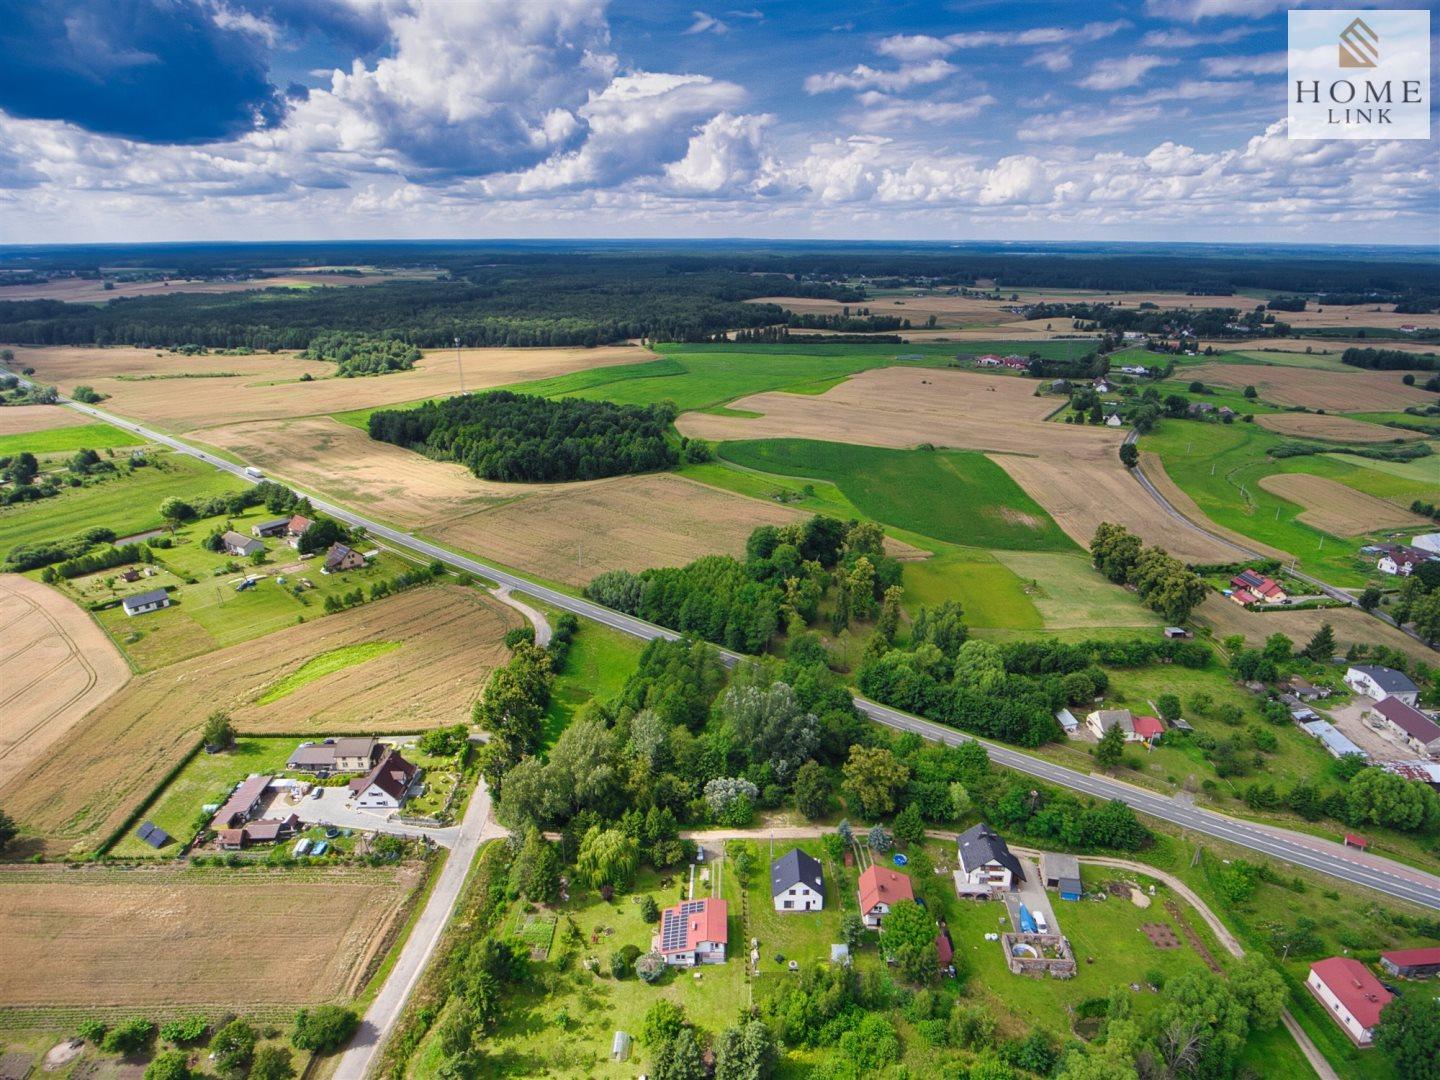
<point x="1352" y="626"/>
<point x="1336" y="428"/>
<point x="1339" y="510"/>
<point x="236" y="389"/>
<point x="236" y="939"/>
<point x="55" y="666"/>
<point x="1336" y="391"/>
<point x="82" y="790"/>
<point x="623" y="523"/>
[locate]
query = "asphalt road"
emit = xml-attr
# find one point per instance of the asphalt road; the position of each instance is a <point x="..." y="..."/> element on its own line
<point x="1391" y="878"/>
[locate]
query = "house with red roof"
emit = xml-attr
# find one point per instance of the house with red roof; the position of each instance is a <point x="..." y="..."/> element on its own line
<point x="1147" y="728"/>
<point x="1350" y="994"/>
<point x="1412" y="963"/>
<point x="1257" y="587"/>
<point x="694" y="932"/>
<point x="881" y="889"/>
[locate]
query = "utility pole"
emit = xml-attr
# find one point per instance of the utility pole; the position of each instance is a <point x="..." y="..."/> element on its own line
<point x="459" y="367"/>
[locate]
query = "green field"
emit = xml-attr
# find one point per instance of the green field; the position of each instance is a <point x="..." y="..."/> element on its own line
<point x="1069" y="593"/>
<point x="990" y="593"/>
<point x="327" y="663"/>
<point x="968" y="499"/>
<point x="1421" y="477"/>
<point x="96" y="436"/>
<point x="129" y="503"/>
<point x="1430" y="423"/>
<point x="1220" y="466"/>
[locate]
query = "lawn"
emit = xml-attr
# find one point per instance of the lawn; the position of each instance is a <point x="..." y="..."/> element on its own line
<point x="567" y="1031"/>
<point x="205" y="778"/>
<point x="1069" y="593"/>
<point x="96" y="436"/>
<point x="128" y="503"/>
<point x="599" y="662"/>
<point x="968" y="499"/>
<point x="992" y="595"/>
<point x="1422" y="475"/>
<point x="326" y="663"/>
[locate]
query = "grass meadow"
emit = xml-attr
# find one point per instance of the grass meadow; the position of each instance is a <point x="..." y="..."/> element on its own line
<point x="599" y="662"/>
<point x="128" y="503"/>
<point x="59" y="440"/>
<point x="967" y="498"/>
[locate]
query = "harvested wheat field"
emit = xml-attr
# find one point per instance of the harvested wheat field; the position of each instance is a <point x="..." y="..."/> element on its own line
<point x="1352" y="626"/>
<point x="1081" y="494"/>
<point x="195" y="939"/>
<point x="903" y="407"/>
<point x="385" y="480"/>
<point x="1332" y="507"/>
<point x="56" y="665"/>
<point x="265" y="387"/>
<point x="450" y="640"/>
<point x="23" y="419"/>
<point x="1335" y="391"/>
<point x="1332" y="428"/>
<point x="623" y="523"/>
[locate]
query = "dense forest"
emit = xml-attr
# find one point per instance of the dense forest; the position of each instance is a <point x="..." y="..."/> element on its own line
<point x="517" y="437"/>
<point x="551" y="295"/>
<point x="1388" y="360"/>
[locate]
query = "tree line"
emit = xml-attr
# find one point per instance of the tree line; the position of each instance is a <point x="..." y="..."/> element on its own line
<point x="1164" y="583"/>
<point x="1388" y="360"/>
<point x="513" y="437"/>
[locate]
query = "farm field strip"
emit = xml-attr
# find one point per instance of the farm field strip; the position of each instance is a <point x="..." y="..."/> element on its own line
<point x="55" y="666"/>
<point x="971" y="501"/>
<point x="1336" y="509"/>
<point x="78" y="795"/>
<point x="192" y="938"/>
<point x="1333" y="428"/>
<point x="1352" y="390"/>
<point x="26" y="419"/>
<point x="270" y="387"/>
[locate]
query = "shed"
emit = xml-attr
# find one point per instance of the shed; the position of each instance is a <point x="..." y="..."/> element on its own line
<point x="140" y="603"/>
<point x="620" y="1046"/>
<point x="1068" y="721"/>
<point x="1176" y="632"/>
<point x="1412" y="963"/>
<point x="840" y="953"/>
<point x="1061" y="873"/>
<point x="1355" y="840"/>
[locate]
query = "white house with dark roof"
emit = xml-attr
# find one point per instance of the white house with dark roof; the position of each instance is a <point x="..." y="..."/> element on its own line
<point x="1378" y="682"/>
<point x="986" y="865"/>
<point x="239" y="544"/>
<point x="797" y="882"/>
<point x="140" y="603"/>
<point x="387" y="785"/>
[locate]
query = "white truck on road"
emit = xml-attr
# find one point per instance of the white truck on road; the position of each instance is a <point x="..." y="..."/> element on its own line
<point x="254" y="473"/>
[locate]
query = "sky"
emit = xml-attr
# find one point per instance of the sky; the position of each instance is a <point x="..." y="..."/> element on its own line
<point x="1164" y="120"/>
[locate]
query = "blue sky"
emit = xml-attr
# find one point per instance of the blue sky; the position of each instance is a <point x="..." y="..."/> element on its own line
<point x="290" y="119"/>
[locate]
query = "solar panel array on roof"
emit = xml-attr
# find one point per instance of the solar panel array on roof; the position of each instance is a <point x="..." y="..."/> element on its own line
<point x="672" y="929"/>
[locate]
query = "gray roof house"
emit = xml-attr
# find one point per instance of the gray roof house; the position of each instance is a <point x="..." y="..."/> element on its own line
<point x="986" y="862"/>
<point x="1375" y="681"/>
<point x="239" y="544"/>
<point x="796" y="870"/>
<point x="140" y="603"/>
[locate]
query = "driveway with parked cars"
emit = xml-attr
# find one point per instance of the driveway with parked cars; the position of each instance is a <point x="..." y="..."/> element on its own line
<point x="334" y="807"/>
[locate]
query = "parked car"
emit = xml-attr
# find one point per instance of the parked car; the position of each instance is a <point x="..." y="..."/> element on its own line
<point x="331" y="831"/>
<point x="316" y="791"/>
<point x="1040" y="923"/>
<point x="320" y="848"/>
